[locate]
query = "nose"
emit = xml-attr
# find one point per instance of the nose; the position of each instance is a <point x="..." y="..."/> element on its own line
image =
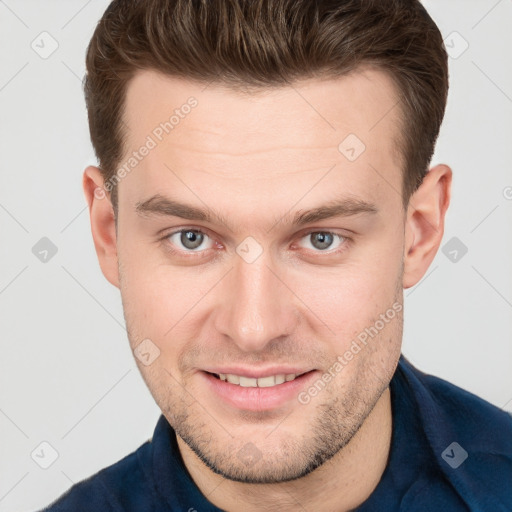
<point x="257" y="307"/>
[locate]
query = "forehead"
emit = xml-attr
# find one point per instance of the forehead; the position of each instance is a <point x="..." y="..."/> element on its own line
<point x="272" y="139"/>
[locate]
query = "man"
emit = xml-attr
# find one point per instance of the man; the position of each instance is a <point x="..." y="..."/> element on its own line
<point x="263" y="198"/>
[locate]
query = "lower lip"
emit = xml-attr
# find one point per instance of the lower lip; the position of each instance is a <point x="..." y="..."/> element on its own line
<point x="257" y="399"/>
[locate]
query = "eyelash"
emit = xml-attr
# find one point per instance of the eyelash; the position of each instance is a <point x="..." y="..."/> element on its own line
<point x="197" y="254"/>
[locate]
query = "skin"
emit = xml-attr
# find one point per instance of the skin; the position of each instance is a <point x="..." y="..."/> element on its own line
<point x="255" y="158"/>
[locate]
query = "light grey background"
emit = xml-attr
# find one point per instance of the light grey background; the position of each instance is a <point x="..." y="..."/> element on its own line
<point x="67" y="376"/>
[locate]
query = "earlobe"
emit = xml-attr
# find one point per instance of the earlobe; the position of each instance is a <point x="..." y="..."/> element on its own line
<point x="424" y="227"/>
<point x="102" y="219"/>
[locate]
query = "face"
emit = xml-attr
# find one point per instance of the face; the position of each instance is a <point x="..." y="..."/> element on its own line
<point x="295" y="268"/>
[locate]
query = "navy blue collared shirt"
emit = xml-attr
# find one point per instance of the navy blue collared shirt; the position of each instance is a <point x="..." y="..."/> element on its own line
<point x="450" y="451"/>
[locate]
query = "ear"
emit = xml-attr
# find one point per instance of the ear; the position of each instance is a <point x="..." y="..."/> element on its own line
<point x="102" y="218"/>
<point x="424" y="227"/>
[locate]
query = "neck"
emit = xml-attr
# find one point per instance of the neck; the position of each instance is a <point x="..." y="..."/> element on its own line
<point x="341" y="484"/>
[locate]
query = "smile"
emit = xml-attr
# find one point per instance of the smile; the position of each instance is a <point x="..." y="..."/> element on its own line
<point x="257" y="393"/>
<point x="262" y="382"/>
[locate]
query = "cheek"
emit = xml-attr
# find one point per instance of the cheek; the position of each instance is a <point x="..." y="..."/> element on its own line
<point x="161" y="299"/>
<point x="163" y="303"/>
<point x="352" y="296"/>
<point x="149" y="296"/>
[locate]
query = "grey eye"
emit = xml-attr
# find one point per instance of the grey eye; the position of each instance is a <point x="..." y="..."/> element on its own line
<point x="189" y="239"/>
<point x="323" y="240"/>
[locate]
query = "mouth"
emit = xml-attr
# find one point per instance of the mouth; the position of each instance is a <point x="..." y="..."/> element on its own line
<point x="251" y="393"/>
<point x="253" y="382"/>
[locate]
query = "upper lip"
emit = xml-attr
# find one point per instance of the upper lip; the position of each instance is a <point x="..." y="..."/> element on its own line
<point x="256" y="373"/>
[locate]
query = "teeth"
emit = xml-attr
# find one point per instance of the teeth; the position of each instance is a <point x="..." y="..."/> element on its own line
<point x="234" y="379"/>
<point x="266" y="382"/>
<point x="262" y="382"/>
<point x="247" y="382"/>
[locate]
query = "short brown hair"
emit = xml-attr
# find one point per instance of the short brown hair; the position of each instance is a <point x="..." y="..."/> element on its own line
<point x="266" y="43"/>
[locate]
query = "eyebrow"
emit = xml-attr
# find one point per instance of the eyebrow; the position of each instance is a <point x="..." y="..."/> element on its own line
<point x="159" y="205"/>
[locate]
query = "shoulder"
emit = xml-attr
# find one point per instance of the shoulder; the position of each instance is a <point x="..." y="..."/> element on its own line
<point x="474" y="418"/>
<point x="117" y="487"/>
<point x="470" y="438"/>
